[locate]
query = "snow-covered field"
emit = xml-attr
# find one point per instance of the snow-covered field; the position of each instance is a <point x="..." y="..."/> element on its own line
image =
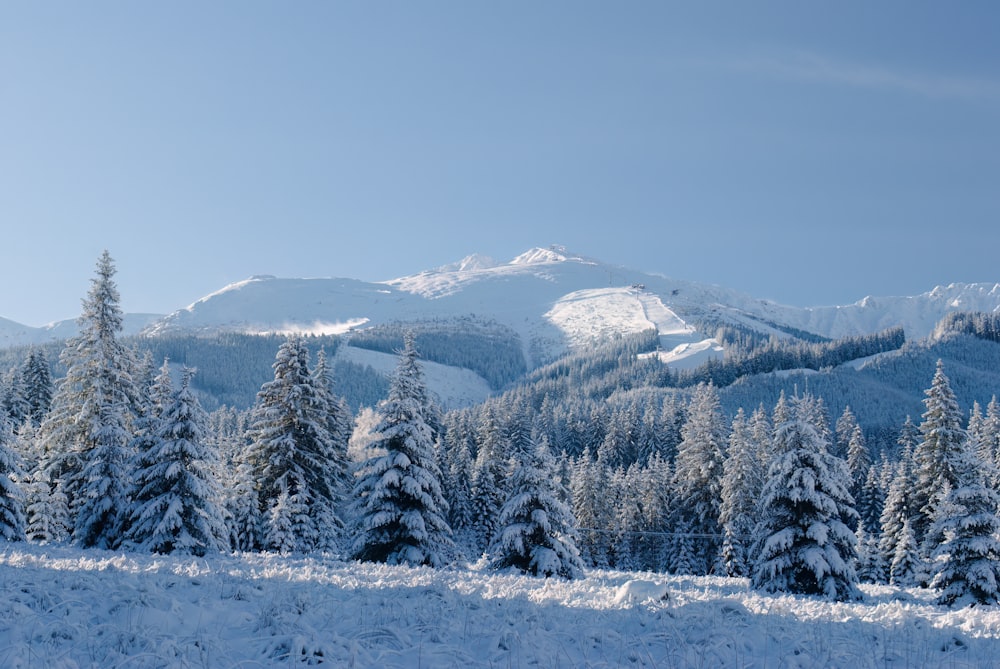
<point x="61" y="607"/>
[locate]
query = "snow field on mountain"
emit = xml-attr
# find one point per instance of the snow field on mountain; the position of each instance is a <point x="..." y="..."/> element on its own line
<point x="592" y="315"/>
<point x="454" y="387"/>
<point x="64" y="607"/>
<point x="518" y="294"/>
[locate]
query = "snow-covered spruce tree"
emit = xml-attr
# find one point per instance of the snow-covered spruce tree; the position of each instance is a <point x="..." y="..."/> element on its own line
<point x="629" y="523"/>
<point x="398" y="504"/>
<point x="287" y="525"/>
<point x="28" y="446"/>
<point x="656" y="505"/>
<point x="176" y="499"/>
<point x="36" y="378"/>
<point x="909" y="437"/>
<point x="869" y="501"/>
<point x="589" y="484"/>
<point x="457" y="470"/>
<point x="942" y="445"/>
<point x="12" y="401"/>
<point x="968" y="560"/>
<point x="816" y="413"/>
<point x="490" y="477"/>
<point x="939" y="508"/>
<point x="46" y="510"/>
<point x="12" y="522"/>
<point x="146" y="422"/>
<point x="907" y="569"/>
<point x="292" y="453"/>
<point x="698" y="471"/>
<point x="975" y="431"/>
<point x="742" y="482"/>
<point x="991" y="433"/>
<point x="870" y="566"/>
<point x="536" y="528"/>
<point x="681" y="551"/>
<point x="859" y="460"/>
<point x="804" y="543"/>
<point x="782" y="412"/>
<point x="650" y="436"/>
<point x="340" y="425"/>
<point x="899" y="506"/>
<point x="620" y="446"/>
<point x="761" y="434"/>
<point x="243" y="517"/>
<point x="984" y="434"/>
<point x="844" y="431"/>
<point x="87" y="433"/>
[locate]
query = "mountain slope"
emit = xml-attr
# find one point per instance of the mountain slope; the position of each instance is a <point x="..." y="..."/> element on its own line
<point x="917" y="314"/>
<point x="552" y="299"/>
<point x="555" y="300"/>
<point x="14" y="334"/>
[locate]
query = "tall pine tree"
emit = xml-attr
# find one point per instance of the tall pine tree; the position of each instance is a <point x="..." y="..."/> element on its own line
<point x="36" y="378"/>
<point x="12" y="522"/>
<point x="742" y="482"/>
<point x="536" y="528"/>
<point x="87" y="433"/>
<point x="968" y="557"/>
<point x="804" y="543"/>
<point x="294" y="457"/>
<point x="942" y="445"/>
<point x="398" y="503"/>
<point x="176" y="504"/>
<point x="698" y="472"/>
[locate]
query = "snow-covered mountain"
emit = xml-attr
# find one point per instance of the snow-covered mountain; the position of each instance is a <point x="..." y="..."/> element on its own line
<point x="15" y="334"/>
<point x="552" y="298"/>
<point x="917" y="314"/>
<point x="555" y="299"/>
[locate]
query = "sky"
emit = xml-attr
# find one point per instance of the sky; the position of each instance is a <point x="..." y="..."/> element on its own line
<point x="811" y="153"/>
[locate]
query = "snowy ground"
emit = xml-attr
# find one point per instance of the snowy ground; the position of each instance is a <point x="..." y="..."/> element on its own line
<point x="61" y="607"/>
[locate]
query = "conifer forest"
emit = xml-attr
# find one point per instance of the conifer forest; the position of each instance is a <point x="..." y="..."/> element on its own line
<point x="597" y="459"/>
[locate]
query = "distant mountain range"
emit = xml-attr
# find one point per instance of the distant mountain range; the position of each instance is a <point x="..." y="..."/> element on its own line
<point x="553" y="299"/>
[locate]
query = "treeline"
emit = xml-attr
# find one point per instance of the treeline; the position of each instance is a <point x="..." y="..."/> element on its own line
<point x="488" y="348"/>
<point x="231" y="366"/>
<point x="786" y="354"/>
<point x="618" y="365"/>
<point x="978" y="324"/>
<point x="600" y="370"/>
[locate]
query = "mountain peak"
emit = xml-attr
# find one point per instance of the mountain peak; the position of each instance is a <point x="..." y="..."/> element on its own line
<point x="476" y="261"/>
<point x="539" y="256"/>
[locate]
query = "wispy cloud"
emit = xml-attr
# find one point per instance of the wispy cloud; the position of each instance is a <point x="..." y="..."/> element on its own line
<point x="811" y="67"/>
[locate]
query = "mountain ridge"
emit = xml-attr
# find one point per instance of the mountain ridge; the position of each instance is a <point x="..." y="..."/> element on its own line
<point x="553" y="298"/>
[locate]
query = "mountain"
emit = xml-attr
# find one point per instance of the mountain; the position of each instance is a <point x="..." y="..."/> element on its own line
<point x="14" y="334"/>
<point x="917" y="314"/>
<point x="484" y="326"/>
<point x="554" y="300"/>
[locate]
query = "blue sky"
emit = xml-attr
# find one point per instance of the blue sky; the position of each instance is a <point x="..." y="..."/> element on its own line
<point x="807" y="152"/>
